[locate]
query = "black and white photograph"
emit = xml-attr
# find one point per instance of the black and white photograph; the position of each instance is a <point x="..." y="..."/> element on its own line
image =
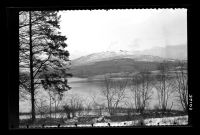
<point x="103" y="68"/>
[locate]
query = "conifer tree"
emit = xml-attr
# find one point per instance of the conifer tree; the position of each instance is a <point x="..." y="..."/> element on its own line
<point x="43" y="58"/>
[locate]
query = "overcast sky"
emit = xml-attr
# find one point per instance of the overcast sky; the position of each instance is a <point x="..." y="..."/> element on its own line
<point x="132" y="29"/>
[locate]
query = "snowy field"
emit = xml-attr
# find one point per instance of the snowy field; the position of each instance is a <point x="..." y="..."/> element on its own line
<point x="174" y="121"/>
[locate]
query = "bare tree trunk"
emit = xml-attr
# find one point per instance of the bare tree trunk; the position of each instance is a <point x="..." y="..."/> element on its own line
<point x="163" y="85"/>
<point x="55" y="109"/>
<point x="182" y="86"/>
<point x="31" y="71"/>
<point x="41" y="104"/>
<point x="142" y="89"/>
<point x="164" y="104"/>
<point x="50" y="107"/>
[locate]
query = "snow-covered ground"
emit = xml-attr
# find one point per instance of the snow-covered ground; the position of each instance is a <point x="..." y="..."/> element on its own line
<point x="179" y="120"/>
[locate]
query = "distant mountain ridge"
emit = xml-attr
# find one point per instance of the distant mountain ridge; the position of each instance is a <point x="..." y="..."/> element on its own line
<point x="126" y="61"/>
<point x="155" y="54"/>
<point x="106" y="56"/>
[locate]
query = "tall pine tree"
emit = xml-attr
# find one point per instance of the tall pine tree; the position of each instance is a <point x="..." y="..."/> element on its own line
<point x="43" y="58"/>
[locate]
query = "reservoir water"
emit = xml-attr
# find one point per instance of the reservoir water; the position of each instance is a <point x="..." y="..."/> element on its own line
<point x="89" y="89"/>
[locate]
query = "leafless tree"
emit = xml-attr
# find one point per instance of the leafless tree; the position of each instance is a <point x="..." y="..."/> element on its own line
<point x="142" y="85"/>
<point x="74" y="104"/>
<point x="164" y="85"/>
<point x="97" y="106"/>
<point x="56" y="101"/>
<point x="108" y="92"/>
<point x="88" y="107"/>
<point x="41" y="106"/>
<point x="54" y="98"/>
<point x="120" y="90"/>
<point x="181" y="84"/>
<point x="114" y="92"/>
<point x="130" y="106"/>
<point x="120" y="87"/>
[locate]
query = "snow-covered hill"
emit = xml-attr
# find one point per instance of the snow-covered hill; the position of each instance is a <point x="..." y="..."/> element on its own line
<point x="155" y="54"/>
<point x="111" y="55"/>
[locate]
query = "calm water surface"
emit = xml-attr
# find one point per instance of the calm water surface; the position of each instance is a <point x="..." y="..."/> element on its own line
<point x="88" y="88"/>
